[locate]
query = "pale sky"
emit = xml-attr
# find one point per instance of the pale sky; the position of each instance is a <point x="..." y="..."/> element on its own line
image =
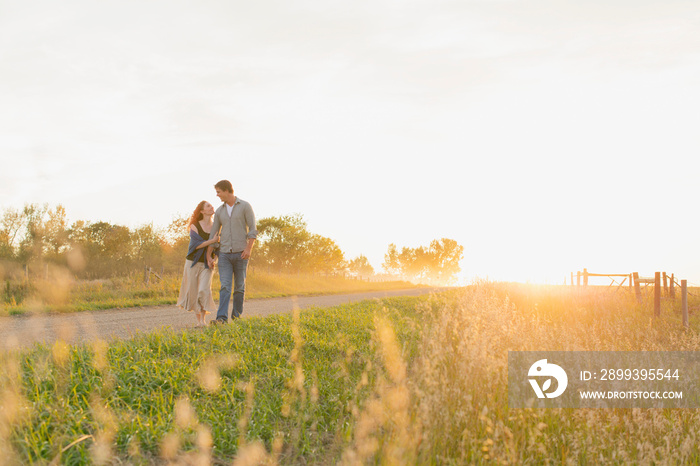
<point x="543" y="136"/>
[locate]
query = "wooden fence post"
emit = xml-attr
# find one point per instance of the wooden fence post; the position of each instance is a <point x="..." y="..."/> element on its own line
<point x="684" y="301"/>
<point x="572" y="279"/>
<point x="585" y="277"/>
<point x="578" y="278"/>
<point x="665" y="284"/>
<point x="657" y="294"/>
<point x="146" y="275"/>
<point x="637" y="288"/>
<point x="631" y="284"/>
<point x="672" y="287"/>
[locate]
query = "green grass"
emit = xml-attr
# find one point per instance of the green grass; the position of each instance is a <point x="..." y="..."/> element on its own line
<point x="124" y="394"/>
<point x="397" y="381"/>
<point x="63" y="294"/>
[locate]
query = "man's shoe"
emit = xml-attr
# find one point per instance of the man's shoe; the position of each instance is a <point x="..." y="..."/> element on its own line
<point x="218" y="322"/>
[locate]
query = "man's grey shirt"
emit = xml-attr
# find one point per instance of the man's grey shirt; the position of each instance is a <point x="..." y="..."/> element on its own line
<point x="236" y="229"/>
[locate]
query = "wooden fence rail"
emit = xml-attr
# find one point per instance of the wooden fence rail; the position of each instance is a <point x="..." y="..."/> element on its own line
<point x="659" y="279"/>
<point x="147" y="272"/>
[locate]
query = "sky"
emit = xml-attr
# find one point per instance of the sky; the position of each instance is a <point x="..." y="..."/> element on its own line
<point x="544" y="136"/>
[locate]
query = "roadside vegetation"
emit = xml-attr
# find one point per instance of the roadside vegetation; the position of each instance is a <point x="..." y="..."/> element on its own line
<point x="398" y="381"/>
<point x="62" y="293"/>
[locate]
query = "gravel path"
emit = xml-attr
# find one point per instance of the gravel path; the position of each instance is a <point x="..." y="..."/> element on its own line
<point x="23" y="331"/>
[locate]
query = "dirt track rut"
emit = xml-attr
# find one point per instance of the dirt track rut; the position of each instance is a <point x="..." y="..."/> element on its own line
<point x="23" y="331"/>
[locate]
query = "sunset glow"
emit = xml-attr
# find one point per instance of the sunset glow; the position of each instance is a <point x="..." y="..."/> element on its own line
<point x="544" y="137"/>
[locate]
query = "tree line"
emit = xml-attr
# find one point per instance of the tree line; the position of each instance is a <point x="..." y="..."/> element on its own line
<point x="39" y="234"/>
<point x="438" y="262"/>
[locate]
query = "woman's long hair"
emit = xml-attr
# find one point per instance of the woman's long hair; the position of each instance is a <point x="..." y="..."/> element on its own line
<point x="197" y="215"/>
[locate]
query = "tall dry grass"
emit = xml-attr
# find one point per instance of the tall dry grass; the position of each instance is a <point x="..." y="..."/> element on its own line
<point x="458" y="380"/>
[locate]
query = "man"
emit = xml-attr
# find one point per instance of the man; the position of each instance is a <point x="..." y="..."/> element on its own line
<point x="236" y="220"/>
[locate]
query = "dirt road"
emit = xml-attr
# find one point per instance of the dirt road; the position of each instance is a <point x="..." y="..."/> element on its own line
<point x="23" y="331"/>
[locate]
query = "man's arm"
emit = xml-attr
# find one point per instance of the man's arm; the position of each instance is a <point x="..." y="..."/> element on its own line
<point x="252" y="232"/>
<point x="210" y="258"/>
<point x="209" y="242"/>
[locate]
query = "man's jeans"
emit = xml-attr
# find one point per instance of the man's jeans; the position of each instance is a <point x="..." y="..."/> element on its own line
<point x="231" y="268"/>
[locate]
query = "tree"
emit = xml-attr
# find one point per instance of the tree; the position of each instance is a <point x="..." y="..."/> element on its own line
<point x="283" y="243"/>
<point x="322" y="255"/>
<point x="148" y="249"/>
<point x="287" y="246"/>
<point x="445" y="256"/>
<point x="176" y="232"/>
<point x="45" y="235"/>
<point x="6" y="250"/>
<point x="55" y="234"/>
<point x="412" y="262"/>
<point x="437" y="263"/>
<point x="106" y="248"/>
<point x="174" y="240"/>
<point x="391" y="260"/>
<point x="361" y="266"/>
<point x="10" y="226"/>
<point x="31" y="246"/>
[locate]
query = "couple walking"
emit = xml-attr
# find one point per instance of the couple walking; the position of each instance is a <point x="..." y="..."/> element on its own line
<point x="229" y="233"/>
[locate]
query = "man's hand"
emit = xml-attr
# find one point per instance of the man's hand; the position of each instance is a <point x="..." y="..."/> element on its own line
<point x="249" y="248"/>
<point x="210" y="258"/>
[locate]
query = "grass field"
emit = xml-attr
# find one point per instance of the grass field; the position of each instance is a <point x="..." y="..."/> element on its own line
<point x="63" y="294"/>
<point x="401" y="381"/>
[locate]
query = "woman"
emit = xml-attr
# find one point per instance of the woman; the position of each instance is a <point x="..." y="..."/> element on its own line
<point x="195" y="291"/>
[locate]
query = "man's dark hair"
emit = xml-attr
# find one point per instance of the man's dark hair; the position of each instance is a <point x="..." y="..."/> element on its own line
<point x="224" y="185"/>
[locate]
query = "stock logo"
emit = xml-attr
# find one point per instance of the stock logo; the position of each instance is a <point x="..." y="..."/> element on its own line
<point x="543" y="369"/>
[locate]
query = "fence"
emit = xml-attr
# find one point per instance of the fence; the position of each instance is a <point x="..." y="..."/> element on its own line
<point x="148" y="271"/>
<point x="635" y="282"/>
